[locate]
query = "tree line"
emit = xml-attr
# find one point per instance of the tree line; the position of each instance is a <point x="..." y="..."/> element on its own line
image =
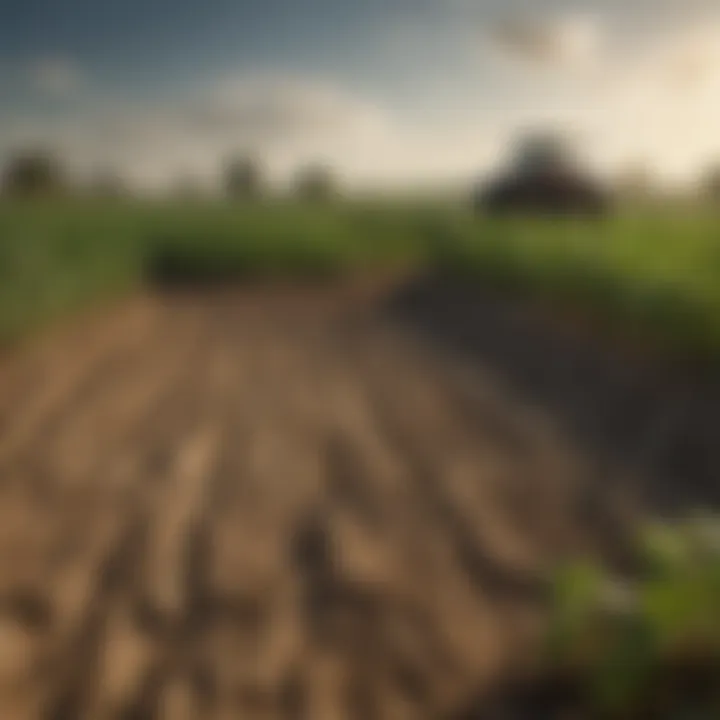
<point x="39" y="173"/>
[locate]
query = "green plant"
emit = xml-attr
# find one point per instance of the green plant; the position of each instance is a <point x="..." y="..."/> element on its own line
<point x="647" y="646"/>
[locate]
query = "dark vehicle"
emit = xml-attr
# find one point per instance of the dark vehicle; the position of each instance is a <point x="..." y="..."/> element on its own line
<point x="544" y="180"/>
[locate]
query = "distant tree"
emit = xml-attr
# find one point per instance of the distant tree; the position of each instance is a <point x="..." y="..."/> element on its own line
<point x="33" y="173"/>
<point x="315" y="182"/>
<point x="107" y="184"/>
<point x="711" y="185"/>
<point x="544" y="177"/>
<point x="243" y="178"/>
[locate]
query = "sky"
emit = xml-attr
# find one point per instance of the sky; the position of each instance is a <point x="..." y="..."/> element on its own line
<point x="386" y="91"/>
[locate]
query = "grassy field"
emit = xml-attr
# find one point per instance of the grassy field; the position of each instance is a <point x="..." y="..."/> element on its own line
<point x="653" y="278"/>
<point x="652" y="274"/>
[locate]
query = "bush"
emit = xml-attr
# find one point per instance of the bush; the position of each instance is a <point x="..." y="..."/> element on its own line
<point x="33" y="173"/>
<point x="315" y="183"/>
<point x="646" y="647"/>
<point x="243" y="179"/>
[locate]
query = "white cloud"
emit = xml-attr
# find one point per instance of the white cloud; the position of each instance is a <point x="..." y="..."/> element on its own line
<point x="564" y="39"/>
<point x="691" y="59"/>
<point x="55" y="76"/>
<point x="270" y="109"/>
<point x="663" y="103"/>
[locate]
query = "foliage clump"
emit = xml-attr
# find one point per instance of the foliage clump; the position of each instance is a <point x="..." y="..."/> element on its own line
<point x="647" y="647"/>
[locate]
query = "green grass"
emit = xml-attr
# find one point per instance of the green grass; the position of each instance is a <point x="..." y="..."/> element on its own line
<point x="57" y="257"/>
<point x="655" y="274"/>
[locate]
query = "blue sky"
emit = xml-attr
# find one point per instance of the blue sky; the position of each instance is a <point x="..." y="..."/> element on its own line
<point x="159" y="46"/>
<point x="383" y="89"/>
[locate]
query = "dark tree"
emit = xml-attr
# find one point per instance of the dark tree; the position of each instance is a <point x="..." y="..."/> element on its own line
<point x="543" y="154"/>
<point x="107" y="184"/>
<point x="544" y="177"/>
<point x="243" y="178"/>
<point x="316" y="183"/>
<point x="33" y="173"/>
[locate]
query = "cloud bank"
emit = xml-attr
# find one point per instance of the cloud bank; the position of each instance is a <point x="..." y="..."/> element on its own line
<point x="286" y="121"/>
<point x="560" y="40"/>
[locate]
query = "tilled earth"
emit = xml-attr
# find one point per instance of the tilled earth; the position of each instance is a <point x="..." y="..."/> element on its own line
<point x="280" y="502"/>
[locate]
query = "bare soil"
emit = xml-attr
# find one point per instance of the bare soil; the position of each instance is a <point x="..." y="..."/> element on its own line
<point x="337" y="501"/>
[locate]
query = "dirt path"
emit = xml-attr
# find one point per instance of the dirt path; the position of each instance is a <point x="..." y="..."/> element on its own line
<point x="275" y="503"/>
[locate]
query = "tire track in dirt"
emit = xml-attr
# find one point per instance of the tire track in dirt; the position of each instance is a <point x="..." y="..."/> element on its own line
<point x="253" y="634"/>
<point x="67" y="381"/>
<point x="382" y="506"/>
<point x="21" y="368"/>
<point x="272" y="503"/>
<point x="80" y="510"/>
<point x="146" y="565"/>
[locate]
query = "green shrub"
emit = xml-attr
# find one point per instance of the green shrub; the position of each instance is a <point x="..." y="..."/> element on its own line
<point x="648" y="646"/>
